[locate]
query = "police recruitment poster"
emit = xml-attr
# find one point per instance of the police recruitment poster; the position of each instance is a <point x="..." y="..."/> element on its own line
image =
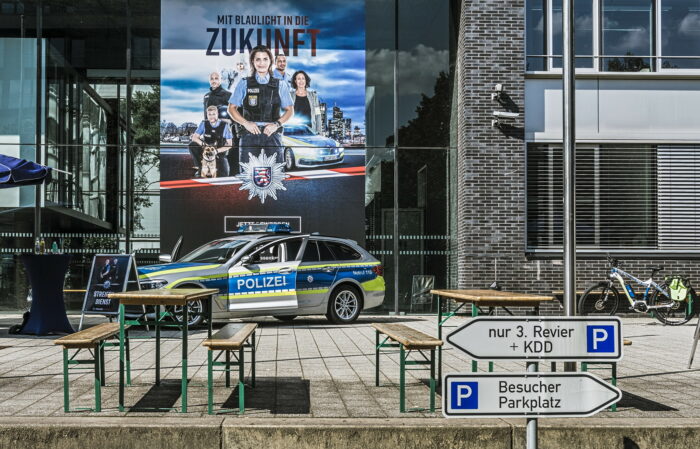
<point x="109" y="274"/>
<point x="262" y="117"/>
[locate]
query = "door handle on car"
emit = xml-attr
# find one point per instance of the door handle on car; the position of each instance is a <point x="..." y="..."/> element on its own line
<point x="328" y="269"/>
<point x="285" y="270"/>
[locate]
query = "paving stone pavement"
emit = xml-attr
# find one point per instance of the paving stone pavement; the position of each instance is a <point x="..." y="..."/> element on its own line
<point x="310" y="368"/>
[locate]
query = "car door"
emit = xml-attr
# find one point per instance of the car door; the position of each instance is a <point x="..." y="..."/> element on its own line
<point x="316" y="274"/>
<point x="264" y="279"/>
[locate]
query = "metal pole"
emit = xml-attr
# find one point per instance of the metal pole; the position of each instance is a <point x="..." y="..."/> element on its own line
<point x="396" y="157"/>
<point x="129" y="155"/>
<point x="38" y="156"/>
<point x="569" y="106"/>
<point x="531" y="430"/>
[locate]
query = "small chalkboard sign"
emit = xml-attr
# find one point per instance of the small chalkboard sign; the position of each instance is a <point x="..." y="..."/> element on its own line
<point x="110" y="273"/>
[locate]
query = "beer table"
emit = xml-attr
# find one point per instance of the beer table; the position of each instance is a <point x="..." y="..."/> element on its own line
<point x="482" y="298"/>
<point x="158" y="298"/>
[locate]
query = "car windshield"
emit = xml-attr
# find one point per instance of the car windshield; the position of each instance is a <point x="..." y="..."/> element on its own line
<point x="218" y="251"/>
<point x="298" y="131"/>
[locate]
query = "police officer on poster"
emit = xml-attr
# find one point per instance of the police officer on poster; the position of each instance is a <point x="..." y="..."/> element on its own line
<point x="261" y="104"/>
<point x="219" y="97"/>
<point x="214" y="132"/>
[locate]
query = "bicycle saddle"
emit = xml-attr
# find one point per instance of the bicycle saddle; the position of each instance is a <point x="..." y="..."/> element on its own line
<point x="656" y="269"/>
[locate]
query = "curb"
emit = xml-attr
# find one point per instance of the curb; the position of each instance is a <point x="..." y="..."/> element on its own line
<point x="342" y="433"/>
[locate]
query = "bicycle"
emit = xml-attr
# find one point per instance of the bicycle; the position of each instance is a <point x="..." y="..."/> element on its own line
<point x="603" y="298"/>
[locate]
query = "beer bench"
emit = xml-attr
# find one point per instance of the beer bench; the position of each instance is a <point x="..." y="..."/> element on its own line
<point x="231" y="338"/>
<point x="613" y="368"/>
<point x="407" y="340"/>
<point x="94" y="340"/>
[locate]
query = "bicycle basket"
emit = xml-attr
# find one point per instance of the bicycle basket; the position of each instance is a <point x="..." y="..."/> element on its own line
<point x="678" y="287"/>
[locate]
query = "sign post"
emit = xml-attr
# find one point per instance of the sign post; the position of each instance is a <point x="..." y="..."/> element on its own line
<point x="696" y="337"/>
<point x="531" y="395"/>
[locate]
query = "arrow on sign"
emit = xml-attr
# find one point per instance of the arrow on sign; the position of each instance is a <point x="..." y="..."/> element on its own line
<point x="540" y="338"/>
<point x="518" y="395"/>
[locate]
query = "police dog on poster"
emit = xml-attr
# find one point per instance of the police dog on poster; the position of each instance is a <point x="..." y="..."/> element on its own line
<point x="276" y="91"/>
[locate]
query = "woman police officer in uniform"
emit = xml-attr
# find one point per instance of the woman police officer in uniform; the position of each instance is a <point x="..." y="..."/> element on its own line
<point x="256" y="105"/>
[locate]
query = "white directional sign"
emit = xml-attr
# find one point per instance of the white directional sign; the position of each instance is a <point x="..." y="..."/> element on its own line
<point x="540" y="338"/>
<point x="525" y="395"/>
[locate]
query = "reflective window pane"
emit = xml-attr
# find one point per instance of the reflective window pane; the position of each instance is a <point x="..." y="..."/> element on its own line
<point x="627" y="44"/>
<point x="583" y="26"/>
<point x="680" y="34"/>
<point x="535" y="35"/>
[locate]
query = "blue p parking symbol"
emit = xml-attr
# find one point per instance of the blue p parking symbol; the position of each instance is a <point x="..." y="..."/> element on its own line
<point x="464" y="395"/>
<point x="600" y="338"/>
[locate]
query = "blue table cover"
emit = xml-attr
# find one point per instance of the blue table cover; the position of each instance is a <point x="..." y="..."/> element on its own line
<point x="46" y="275"/>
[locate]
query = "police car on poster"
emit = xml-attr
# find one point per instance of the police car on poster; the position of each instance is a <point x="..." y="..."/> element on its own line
<point x="304" y="148"/>
<point x="275" y="273"/>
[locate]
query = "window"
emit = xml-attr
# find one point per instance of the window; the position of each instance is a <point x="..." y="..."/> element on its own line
<point x="324" y="252"/>
<point x="626" y="42"/>
<point x="343" y="252"/>
<point x="311" y="252"/>
<point x="680" y="34"/>
<point x="616" y="35"/>
<point x="616" y="197"/>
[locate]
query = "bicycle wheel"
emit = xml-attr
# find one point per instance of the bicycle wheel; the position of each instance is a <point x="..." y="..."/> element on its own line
<point x="676" y="312"/>
<point x="599" y="299"/>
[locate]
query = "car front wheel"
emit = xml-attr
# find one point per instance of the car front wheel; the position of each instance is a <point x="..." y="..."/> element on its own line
<point x="195" y="313"/>
<point x="344" y="305"/>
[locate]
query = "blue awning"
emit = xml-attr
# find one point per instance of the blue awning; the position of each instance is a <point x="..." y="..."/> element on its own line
<point x="21" y="172"/>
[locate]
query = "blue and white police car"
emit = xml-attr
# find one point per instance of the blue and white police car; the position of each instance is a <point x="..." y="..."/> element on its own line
<point x="304" y="148"/>
<point x="280" y="274"/>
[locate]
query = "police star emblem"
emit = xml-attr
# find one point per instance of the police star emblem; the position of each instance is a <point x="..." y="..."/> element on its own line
<point x="262" y="176"/>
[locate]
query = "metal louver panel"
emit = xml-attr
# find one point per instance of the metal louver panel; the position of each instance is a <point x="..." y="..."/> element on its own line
<point x="679" y="197"/>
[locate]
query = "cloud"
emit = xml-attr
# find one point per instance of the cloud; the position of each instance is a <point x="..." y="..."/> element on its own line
<point x="418" y="68"/>
<point x="690" y="25"/>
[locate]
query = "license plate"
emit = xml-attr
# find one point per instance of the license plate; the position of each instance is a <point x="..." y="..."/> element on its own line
<point x="330" y="158"/>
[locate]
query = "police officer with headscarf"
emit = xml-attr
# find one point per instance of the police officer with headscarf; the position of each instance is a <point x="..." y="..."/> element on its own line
<point x="261" y="104"/>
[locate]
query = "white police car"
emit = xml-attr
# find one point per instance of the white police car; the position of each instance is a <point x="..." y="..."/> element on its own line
<point x="284" y="275"/>
<point x="304" y="148"/>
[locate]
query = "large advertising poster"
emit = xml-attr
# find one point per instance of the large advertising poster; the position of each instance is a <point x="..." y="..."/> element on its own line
<point x="262" y="117"/>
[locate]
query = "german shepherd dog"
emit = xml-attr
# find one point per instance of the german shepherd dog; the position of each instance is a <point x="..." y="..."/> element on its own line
<point x="209" y="162"/>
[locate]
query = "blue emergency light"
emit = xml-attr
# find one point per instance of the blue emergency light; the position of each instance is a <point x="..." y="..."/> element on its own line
<point x="276" y="228"/>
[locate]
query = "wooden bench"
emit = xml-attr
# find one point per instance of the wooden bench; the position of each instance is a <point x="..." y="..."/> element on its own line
<point x="407" y="339"/>
<point x="93" y="338"/>
<point x="228" y="340"/>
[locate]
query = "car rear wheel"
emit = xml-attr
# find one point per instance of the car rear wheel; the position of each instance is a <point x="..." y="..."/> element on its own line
<point x="344" y="305"/>
<point x="289" y="162"/>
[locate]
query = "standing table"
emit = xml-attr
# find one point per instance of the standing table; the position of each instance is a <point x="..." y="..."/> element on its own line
<point x="46" y="274"/>
<point x="157" y="298"/>
<point x="482" y="298"/>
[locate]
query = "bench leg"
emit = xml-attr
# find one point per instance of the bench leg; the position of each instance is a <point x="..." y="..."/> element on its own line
<point x="613" y="408"/>
<point x="432" y="380"/>
<point x="402" y="380"/>
<point x="128" y="357"/>
<point x="376" y="360"/>
<point x="158" y="345"/>
<point x="102" y="363"/>
<point x="252" y="358"/>
<point x="475" y="313"/>
<point x="228" y="369"/>
<point x="98" y="378"/>
<point x="185" y="319"/>
<point x="122" y="333"/>
<point x="210" y="383"/>
<point x="241" y="385"/>
<point x="66" y="383"/>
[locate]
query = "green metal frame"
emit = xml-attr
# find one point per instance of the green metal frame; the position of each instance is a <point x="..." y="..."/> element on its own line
<point x="403" y="362"/>
<point x="98" y="366"/>
<point x="239" y="361"/>
<point x="158" y="323"/>
<point x="613" y="368"/>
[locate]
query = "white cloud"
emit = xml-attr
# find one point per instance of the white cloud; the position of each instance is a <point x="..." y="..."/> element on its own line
<point x="418" y="68"/>
<point x="690" y="25"/>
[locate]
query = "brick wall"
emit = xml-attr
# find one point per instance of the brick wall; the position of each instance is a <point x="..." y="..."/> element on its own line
<point x="491" y="164"/>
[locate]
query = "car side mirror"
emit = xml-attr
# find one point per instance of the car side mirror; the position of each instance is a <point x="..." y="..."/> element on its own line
<point x="245" y="260"/>
<point x="165" y="258"/>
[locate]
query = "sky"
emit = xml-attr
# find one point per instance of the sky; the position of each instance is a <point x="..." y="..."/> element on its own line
<point x="337" y="71"/>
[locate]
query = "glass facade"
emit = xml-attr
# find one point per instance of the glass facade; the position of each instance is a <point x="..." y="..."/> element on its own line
<point x="79" y="91"/>
<point x="616" y="35"/>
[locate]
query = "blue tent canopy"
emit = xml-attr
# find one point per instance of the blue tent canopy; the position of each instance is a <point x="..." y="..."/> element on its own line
<point x="21" y="172"/>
